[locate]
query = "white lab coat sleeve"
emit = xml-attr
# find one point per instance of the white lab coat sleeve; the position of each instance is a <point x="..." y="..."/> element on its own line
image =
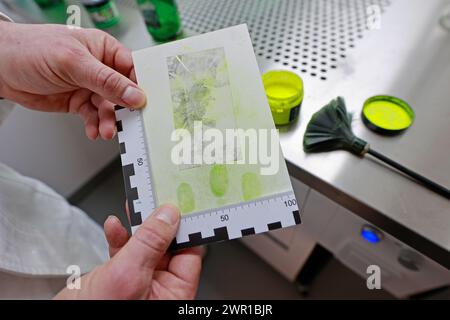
<point x="41" y="233"/>
<point x="5" y="106"/>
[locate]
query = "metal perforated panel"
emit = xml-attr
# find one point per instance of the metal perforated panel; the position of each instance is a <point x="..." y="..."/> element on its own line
<point x="309" y="36"/>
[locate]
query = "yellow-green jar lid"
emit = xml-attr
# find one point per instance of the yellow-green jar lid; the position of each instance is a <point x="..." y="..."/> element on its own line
<point x="387" y="114"/>
<point x="284" y="90"/>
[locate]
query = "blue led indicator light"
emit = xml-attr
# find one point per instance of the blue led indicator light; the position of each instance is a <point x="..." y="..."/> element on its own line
<point x="370" y="235"/>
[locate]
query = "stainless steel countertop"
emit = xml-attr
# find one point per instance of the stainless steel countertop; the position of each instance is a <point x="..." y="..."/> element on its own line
<point x="409" y="58"/>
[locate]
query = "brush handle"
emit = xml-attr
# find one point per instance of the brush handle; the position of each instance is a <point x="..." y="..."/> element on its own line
<point x="425" y="181"/>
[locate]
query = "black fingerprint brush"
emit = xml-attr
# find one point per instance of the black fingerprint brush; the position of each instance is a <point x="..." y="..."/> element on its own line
<point x="330" y="129"/>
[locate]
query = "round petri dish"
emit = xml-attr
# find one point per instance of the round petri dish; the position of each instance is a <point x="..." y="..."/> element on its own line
<point x="387" y="115"/>
<point x="284" y="90"/>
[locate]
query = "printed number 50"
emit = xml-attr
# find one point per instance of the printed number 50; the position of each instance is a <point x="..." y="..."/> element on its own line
<point x="224" y="218"/>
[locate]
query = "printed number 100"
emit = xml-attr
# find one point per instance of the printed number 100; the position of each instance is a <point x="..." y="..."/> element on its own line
<point x="290" y="203"/>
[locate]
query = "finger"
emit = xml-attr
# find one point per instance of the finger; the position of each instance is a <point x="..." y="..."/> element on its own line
<point x="132" y="75"/>
<point x="164" y="263"/>
<point x="106" y="115"/>
<point x="79" y="102"/>
<point x="187" y="264"/>
<point x="108" y="83"/>
<point x="89" y="114"/>
<point x="127" y="210"/>
<point x="183" y="274"/>
<point x="122" y="60"/>
<point x="48" y="103"/>
<point x="150" y="242"/>
<point x="109" y="50"/>
<point x="116" y="234"/>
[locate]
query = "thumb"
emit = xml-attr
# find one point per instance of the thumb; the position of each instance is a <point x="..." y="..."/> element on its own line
<point x="109" y="84"/>
<point x="151" y="241"/>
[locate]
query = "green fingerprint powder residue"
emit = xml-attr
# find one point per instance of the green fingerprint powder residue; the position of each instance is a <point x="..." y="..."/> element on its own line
<point x="251" y="186"/>
<point x="218" y="179"/>
<point x="186" y="198"/>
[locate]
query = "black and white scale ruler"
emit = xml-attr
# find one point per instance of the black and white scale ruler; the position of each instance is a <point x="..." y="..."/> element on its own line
<point x="224" y="223"/>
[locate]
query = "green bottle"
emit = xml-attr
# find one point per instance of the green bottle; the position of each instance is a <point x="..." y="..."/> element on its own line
<point x="54" y="11"/>
<point x="48" y="3"/>
<point x="162" y="18"/>
<point x="104" y="13"/>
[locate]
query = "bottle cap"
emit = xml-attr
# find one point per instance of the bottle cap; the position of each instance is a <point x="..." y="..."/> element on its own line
<point x="387" y="114"/>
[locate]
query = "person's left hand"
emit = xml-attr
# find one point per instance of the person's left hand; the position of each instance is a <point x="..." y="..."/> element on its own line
<point x="140" y="267"/>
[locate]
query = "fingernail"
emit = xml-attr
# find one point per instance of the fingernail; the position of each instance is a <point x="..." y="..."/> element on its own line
<point x="134" y="97"/>
<point x="112" y="218"/>
<point x="168" y="214"/>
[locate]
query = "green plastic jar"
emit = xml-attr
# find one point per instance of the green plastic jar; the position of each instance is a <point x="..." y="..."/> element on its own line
<point x="161" y="18"/>
<point x="48" y="3"/>
<point x="284" y="90"/>
<point x="54" y="11"/>
<point x="104" y="13"/>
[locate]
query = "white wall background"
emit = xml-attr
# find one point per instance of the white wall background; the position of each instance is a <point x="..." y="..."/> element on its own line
<point x="52" y="148"/>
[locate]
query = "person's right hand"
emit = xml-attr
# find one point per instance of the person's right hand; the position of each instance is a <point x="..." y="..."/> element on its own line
<point x="140" y="267"/>
<point x="56" y="69"/>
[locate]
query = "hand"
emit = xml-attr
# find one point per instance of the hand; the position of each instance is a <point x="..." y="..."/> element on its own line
<point x="140" y="267"/>
<point x="57" y="69"/>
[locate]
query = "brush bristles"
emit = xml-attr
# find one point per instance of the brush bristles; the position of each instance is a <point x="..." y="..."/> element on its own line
<point x="330" y="129"/>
